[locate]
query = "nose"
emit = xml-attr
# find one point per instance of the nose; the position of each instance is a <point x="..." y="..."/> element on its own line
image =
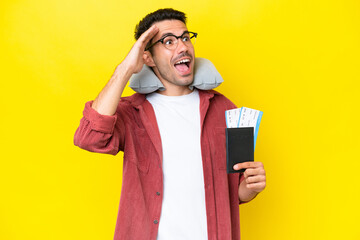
<point x="181" y="47"/>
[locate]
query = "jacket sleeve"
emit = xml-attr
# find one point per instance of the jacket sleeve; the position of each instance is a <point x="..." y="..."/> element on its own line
<point x="99" y="133"/>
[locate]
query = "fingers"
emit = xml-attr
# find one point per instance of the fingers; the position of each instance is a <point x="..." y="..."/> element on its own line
<point x="254" y="175"/>
<point x="255" y="179"/>
<point x="253" y="172"/>
<point x="148" y="35"/>
<point x="257" y="187"/>
<point x="134" y="60"/>
<point x="248" y="165"/>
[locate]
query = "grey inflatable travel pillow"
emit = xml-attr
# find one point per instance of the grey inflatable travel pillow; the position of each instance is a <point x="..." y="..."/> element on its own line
<point x="206" y="77"/>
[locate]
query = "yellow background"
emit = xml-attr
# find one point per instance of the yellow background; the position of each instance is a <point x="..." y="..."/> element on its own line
<point x="297" y="61"/>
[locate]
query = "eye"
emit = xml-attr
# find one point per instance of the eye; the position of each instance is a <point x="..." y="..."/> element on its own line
<point x="168" y="41"/>
<point x="185" y="39"/>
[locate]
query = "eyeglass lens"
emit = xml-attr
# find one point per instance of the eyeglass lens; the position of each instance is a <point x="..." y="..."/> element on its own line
<point x="170" y="42"/>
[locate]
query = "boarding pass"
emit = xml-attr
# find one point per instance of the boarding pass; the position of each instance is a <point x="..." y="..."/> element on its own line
<point x="244" y="117"/>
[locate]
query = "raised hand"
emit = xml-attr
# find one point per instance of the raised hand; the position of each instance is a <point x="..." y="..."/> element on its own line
<point x="108" y="99"/>
<point x="134" y="60"/>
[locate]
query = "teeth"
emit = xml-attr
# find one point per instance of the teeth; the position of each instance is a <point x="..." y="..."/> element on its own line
<point x="183" y="61"/>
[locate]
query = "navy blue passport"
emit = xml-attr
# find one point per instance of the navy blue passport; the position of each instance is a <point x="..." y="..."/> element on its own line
<point x="239" y="147"/>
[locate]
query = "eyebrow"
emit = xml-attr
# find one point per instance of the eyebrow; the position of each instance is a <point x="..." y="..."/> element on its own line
<point x="171" y="34"/>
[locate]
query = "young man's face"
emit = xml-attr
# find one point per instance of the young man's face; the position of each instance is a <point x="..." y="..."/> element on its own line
<point x="166" y="61"/>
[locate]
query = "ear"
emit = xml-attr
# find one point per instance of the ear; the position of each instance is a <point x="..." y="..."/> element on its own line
<point x="148" y="60"/>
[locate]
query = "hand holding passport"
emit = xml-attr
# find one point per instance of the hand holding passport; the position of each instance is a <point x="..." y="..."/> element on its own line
<point x="241" y="133"/>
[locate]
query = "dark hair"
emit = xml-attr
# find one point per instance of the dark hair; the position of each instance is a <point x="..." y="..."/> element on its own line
<point x="157" y="16"/>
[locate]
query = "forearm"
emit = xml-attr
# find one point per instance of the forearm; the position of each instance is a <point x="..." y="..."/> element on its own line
<point x="108" y="99"/>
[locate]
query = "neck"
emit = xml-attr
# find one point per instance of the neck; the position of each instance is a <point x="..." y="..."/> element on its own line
<point x="175" y="90"/>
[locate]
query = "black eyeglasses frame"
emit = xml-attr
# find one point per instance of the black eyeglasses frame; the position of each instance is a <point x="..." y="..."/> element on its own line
<point x="167" y="35"/>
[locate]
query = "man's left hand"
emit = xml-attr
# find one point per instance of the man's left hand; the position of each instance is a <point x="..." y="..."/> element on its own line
<point x="254" y="180"/>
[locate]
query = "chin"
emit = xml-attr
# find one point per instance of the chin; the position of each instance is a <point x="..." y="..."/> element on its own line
<point x="186" y="82"/>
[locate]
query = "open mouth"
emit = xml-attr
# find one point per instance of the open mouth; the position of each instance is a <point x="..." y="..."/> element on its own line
<point x="183" y="66"/>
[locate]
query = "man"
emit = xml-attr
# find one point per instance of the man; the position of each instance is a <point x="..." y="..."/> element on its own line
<point x="175" y="184"/>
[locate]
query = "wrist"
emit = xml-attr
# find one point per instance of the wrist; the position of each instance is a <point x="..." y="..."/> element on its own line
<point x="123" y="71"/>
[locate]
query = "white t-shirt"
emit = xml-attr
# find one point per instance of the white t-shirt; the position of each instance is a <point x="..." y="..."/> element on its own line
<point x="183" y="212"/>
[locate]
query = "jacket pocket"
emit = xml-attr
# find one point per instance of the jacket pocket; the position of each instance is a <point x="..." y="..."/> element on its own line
<point x="142" y="150"/>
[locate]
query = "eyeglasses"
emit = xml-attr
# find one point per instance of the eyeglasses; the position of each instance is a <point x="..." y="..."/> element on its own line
<point x="170" y="41"/>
